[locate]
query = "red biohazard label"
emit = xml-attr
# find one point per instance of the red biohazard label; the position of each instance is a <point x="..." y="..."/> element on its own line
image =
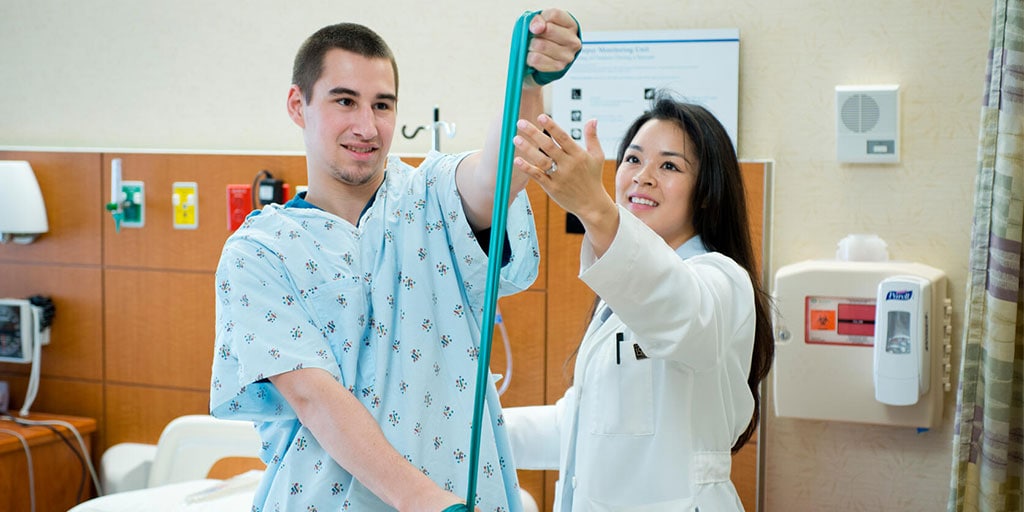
<point x="839" y="321"/>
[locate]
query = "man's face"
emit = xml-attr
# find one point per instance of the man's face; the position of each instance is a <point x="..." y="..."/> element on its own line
<point x="349" y="120"/>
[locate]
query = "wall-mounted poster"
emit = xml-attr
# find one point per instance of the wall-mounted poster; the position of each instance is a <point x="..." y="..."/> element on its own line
<point x="617" y="73"/>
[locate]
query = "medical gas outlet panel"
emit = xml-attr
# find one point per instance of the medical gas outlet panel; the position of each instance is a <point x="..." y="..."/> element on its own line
<point x="128" y="202"/>
<point x="863" y="342"/>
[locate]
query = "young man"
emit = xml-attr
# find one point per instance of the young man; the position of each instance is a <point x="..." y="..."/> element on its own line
<point x="348" y="320"/>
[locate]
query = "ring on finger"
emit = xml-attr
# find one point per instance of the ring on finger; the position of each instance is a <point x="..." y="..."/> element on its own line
<point x="551" y="170"/>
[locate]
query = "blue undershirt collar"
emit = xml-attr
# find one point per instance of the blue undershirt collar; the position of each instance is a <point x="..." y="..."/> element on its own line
<point x="299" y="201"/>
<point x="692" y="247"/>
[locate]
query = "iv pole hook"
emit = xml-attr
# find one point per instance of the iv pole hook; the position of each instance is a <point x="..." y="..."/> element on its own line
<point x="414" y="133"/>
<point x="435" y="130"/>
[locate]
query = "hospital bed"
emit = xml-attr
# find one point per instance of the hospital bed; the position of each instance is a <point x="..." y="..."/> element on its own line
<point x="200" y="464"/>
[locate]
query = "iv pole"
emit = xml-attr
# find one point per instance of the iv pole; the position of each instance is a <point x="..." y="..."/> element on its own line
<point x="435" y="130"/>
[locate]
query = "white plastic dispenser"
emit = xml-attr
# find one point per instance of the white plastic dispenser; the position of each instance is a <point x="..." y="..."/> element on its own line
<point x="828" y="364"/>
<point x="902" y="340"/>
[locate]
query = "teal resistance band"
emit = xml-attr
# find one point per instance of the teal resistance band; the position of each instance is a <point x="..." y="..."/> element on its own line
<point x="499" y="217"/>
<point x="517" y="69"/>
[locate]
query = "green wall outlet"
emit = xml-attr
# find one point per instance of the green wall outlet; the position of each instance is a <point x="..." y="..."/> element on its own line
<point x="134" y="204"/>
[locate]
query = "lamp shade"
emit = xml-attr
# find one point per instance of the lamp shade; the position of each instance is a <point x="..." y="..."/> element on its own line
<point x="22" y="211"/>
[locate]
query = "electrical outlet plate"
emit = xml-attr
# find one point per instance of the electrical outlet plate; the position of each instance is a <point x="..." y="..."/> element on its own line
<point x="185" y="200"/>
<point x="133" y="196"/>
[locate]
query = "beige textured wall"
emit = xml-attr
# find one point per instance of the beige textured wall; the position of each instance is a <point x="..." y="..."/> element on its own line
<point x="213" y="75"/>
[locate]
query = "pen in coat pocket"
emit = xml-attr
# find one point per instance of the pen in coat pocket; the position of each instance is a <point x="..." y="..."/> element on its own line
<point x="618" y="348"/>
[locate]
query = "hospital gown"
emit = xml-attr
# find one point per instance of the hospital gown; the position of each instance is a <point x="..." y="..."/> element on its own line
<point x="392" y="309"/>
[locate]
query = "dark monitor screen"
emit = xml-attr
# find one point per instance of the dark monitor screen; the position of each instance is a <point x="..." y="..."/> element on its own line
<point x="12" y="331"/>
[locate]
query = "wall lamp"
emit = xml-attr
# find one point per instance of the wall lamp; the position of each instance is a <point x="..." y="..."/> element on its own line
<point x="22" y="211"/>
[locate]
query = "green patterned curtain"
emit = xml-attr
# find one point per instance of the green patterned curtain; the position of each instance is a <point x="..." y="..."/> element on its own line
<point x="988" y="443"/>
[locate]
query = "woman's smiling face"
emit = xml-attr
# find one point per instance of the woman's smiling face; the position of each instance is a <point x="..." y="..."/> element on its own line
<point x="656" y="180"/>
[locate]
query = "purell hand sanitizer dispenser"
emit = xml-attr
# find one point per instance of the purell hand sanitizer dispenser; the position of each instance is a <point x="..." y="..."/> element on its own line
<point x="902" y="345"/>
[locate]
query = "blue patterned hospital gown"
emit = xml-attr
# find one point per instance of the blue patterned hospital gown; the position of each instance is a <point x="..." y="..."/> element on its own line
<point x="392" y="310"/>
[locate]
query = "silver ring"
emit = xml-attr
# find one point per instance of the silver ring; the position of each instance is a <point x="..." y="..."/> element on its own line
<point x="551" y="170"/>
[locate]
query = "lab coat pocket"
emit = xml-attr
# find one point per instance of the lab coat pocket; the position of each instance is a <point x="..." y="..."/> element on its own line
<point x="625" y="399"/>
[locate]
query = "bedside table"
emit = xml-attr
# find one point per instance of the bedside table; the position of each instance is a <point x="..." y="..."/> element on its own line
<point x="56" y="469"/>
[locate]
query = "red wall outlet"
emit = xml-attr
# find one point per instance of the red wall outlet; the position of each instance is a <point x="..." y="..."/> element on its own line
<point x="239" y="204"/>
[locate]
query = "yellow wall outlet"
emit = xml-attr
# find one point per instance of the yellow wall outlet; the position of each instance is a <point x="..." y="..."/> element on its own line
<point x="185" y="200"/>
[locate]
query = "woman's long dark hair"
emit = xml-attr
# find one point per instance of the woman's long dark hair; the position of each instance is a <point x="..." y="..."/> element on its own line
<point x="720" y="218"/>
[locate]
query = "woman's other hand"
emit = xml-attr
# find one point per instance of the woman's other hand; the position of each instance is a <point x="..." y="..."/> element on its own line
<point x="569" y="174"/>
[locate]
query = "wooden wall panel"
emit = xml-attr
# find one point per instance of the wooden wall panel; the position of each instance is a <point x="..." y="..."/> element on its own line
<point x="76" y="337"/>
<point x="755" y="177"/>
<point x="744" y="474"/>
<point x="522" y="315"/>
<point x="139" y="414"/>
<point x="70" y="183"/>
<point x="157" y="245"/>
<point x="569" y="300"/>
<point x="533" y="483"/>
<point x="160" y="327"/>
<point x="70" y="397"/>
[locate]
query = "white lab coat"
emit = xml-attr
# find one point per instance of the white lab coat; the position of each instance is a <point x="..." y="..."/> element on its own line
<point x="651" y="434"/>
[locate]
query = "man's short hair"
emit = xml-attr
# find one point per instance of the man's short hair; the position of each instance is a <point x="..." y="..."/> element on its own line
<point x="351" y="37"/>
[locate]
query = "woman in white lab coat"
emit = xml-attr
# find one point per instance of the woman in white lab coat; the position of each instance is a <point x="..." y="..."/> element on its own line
<point x="665" y="386"/>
